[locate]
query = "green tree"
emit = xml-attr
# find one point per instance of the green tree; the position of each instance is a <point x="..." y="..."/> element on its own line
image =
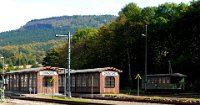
<point x="51" y="59"/>
<point x="131" y="11"/>
<point x="172" y="28"/>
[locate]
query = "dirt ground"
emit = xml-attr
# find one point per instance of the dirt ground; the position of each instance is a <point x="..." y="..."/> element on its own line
<point x="25" y="102"/>
<point x="7" y="103"/>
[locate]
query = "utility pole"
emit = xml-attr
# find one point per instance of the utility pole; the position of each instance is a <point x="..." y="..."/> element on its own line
<point x="69" y="51"/>
<point x="145" y="84"/>
<point x="129" y="64"/>
<point x="146" y="58"/>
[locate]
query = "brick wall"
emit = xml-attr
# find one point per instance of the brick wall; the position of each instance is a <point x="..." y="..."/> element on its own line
<point x="103" y="89"/>
<point x="48" y="90"/>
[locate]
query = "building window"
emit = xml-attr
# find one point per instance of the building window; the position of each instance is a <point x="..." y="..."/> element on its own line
<point x="47" y="82"/>
<point x="34" y="80"/>
<point x="25" y="80"/>
<point x="83" y="80"/>
<point x="110" y="82"/>
<point x="61" y="81"/>
<point x="79" y="80"/>
<point x="167" y="80"/>
<point x="30" y="80"/>
<point x="160" y="80"/>
<point x="96" y="80"/>
<point x="22" y="80"/>
<point x="73" y="81"/>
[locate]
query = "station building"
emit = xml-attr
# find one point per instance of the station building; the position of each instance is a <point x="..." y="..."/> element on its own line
<point x="97" y="80"/>
<point x="47" y="80"/>
<point x="35" y="80"/>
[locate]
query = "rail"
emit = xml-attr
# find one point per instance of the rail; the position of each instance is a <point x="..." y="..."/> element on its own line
<point x="55" y="101"/>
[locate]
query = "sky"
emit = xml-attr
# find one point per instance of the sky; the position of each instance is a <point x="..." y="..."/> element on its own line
<point x="16" y="13"/>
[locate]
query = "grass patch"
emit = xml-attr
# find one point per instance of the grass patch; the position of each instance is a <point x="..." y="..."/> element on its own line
<point x="153" y="97"/>
<point x="64" y="99"/>
<point x="124" y="96"/>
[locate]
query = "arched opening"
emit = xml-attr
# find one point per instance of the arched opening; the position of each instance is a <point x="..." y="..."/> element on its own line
<point x="48" y="81"/>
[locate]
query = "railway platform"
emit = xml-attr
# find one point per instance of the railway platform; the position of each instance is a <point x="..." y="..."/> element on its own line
<point x="124" y="98"/>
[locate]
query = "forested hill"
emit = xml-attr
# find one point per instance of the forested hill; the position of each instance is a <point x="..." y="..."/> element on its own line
<point x="43" y="30"/>
<point x="29" y="43"/>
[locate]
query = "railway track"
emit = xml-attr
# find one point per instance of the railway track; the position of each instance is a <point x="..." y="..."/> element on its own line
<point x="178" y="99"/>
<point x="167" y="100"/>
<point x="55" y="101"/>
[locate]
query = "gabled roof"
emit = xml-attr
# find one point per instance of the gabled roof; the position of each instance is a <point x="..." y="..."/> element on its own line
<point x="33" y="69"/>
<point x="92" y="70"/>
<point x="1" y="73"/>
<point x="173" y="74"/>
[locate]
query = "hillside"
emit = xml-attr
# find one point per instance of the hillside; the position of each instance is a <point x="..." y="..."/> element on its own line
<point x="43" y="30"/>
<point x="29" y="44"/>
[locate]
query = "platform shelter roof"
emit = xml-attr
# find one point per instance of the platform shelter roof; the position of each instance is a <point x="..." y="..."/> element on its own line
<point x="33" y="70"/>
<point x="172" y="74"/>
<point x="92" y="70"/>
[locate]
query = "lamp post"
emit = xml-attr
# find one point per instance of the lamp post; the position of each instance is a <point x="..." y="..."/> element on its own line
<point x="145" y="84"/>
<point x="69" y="51"/>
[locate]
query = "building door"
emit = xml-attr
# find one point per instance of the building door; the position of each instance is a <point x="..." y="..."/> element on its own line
<point x="48" y="84"/>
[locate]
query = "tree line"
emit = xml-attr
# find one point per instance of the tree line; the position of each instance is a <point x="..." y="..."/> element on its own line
<point x="173" y="34"/>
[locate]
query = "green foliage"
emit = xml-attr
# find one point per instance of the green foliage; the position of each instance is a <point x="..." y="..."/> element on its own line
<point x="52" y="58"/>
<point x="131" y="11"/>
<point x="194" y="7"/>
<point x="172" y="28"/>
<point x="83" y="33"/>
<point x="148" y="14"/>
<point x="28" y="53"/>
<point x="167" y="11"/>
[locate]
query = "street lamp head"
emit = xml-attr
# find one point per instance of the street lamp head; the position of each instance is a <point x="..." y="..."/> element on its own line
<point x="2" y="57"/>
<point x="56" y="35"/>
<point x="143" y="34"/>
